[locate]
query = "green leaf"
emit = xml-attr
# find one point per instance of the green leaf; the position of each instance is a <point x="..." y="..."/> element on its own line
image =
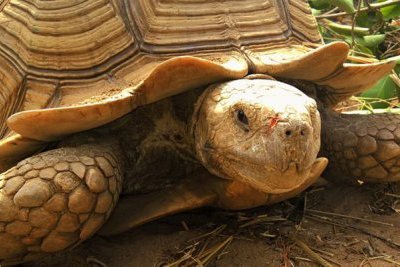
<point x="345" y="5"/>
<point x="359" y="44"/>
<point x="369" y="19"/>
<point x="315" y="12"/>
<point x="397" y="67"/>
<point x="320" y="4"/>
<point x="391" y="12"/>
<point x="363" y="48"/>
<point x="347" y="29"/>
<point x="373" y="40"/>
<point x="384" y="89"/>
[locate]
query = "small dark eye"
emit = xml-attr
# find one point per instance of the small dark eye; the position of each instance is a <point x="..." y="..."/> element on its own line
<point x="242" y="119"/>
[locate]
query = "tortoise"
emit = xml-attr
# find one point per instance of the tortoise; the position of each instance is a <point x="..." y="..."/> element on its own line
<point x="173" y="105"/>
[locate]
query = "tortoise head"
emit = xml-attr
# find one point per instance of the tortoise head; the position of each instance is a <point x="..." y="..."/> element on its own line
<point x="263" y="133"/>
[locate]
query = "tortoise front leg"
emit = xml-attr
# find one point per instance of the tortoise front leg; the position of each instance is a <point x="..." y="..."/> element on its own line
<point x="363" y="147"/>
<point x="55" y="200"/>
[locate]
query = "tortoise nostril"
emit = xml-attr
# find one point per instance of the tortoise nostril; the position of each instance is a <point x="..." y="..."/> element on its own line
<point x="296" y="132"/>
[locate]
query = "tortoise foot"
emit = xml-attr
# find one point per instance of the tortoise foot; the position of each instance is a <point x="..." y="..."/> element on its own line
<point x="362" y="147"/>
<point x="54" y="201"/>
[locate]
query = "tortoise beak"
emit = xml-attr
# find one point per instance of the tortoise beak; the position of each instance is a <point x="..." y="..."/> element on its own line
<point x="291" y="179"/>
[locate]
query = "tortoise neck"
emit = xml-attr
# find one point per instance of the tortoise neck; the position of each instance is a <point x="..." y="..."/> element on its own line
<point x="156" y="142"/>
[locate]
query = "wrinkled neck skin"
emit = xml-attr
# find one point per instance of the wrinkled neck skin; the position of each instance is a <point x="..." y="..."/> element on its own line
<point x="153" y="144"/>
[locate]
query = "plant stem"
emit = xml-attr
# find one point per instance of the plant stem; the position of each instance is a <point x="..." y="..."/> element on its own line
<point x="371" y="6"/>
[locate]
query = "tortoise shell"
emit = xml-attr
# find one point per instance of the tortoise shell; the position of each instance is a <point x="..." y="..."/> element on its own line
<point x="71" y="65"/>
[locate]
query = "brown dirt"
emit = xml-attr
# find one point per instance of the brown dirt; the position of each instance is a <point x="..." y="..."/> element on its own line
<point x="264" y="241"/>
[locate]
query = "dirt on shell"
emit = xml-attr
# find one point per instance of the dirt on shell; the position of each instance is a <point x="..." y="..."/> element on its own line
<point x="342" y="225"/>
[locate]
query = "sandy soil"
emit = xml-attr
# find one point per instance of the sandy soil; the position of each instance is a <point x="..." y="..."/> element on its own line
<point x="267" y="236"/>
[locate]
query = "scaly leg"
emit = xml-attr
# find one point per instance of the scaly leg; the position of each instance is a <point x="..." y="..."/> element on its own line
<point x="55" y="200"/>
<point x="361" y="147"/>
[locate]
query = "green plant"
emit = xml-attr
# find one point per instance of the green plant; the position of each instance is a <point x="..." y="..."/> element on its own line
<point x="372" y="29"/>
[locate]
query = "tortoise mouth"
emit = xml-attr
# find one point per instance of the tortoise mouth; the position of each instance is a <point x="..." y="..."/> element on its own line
<point x="273" y="181"/>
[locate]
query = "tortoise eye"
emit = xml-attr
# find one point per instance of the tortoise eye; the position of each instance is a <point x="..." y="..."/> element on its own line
<point x="242" y="119"/>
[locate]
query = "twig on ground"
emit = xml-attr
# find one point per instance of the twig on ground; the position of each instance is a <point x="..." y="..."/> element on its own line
<point x="382" y="258"/>
<point x="315" y="256"/>
<point x="92" y="260"/>
<point x="185" y="226"/>
<point x="303" y="259"/>
<point x="323" y="252"/>
<point x="216" y="231"/>
<point x="263" y="219"/>
<point x="330" y="221"/>
<point x="349" y="217"/>
<point x="210" y="253"/>
<point x="391" y="261"/>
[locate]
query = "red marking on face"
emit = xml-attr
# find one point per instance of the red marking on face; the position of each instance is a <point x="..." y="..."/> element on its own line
<point x="274" y="121"/>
